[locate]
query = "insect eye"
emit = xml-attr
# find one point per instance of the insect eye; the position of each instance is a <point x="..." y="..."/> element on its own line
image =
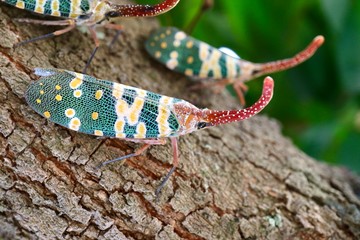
<point x="112" y="14"/>
<point x="84" y="17"/>
<point x="201" y="125"/>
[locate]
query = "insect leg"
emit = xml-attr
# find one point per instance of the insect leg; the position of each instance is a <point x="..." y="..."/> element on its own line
<point x="92" y="31"/>
<point x="136" y="153"/>
<point x="44" y="22"/>
<point x="69" y="23"/>
<point x="240" y="88"/>
<point x="119" y="29"/>
<point x="97" y="43"/>
<point x="147" y="144"/>
<point x="175" y="149"/>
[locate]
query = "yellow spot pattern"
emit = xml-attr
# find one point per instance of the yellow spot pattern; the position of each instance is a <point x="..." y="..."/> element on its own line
<point x="121" y="107"/>
<point x="75" y="124"/>
<point x="56" y="13"/>
<point x="204" y="70"/>
<point x="58" y="87"/>
<point x="180" y="36"/>
<point x="177" y="43"/>
<point x="39" y="9"/>
<point x="75" y="83"/>
<point x="163" y="45"/>
<point x="120" y="135"/>
<point x="39" y="6"/>
<point x="47" y="114"/>
<point x="231" y="67"/>
<point x="58" y="98"/>
<point x="20" y="4"/>
<point x="174" y="54"/>
<point x="75" y="8"/>
<point x="95" y="115"/>
<point x="42" y="92"/>
<point x="189" y="72"/>
<point x="55" y="8"/>
<point x="203" y="51"/>
<point x="172" y="63"/>
<point x="119" y="126"/>
<point x="77" y="93"/>
<point x="70" y="112"/>
<point x="189" y="44"/>
<point x="210" y="63"/>
<point x="118" y="90"/>
<point x="134" y="111"/>
<point x="98" y="133"/>
<point x="190" y="60"/>
<point x="163" y="115"/>
<point x="140" y="131"/>
<point x="98" y="94"/>
<point x="157" y="54"/>
<point x="38" y="101"/>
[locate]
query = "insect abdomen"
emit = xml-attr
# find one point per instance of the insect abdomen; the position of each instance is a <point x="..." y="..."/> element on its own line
<point x="85" y="104"/>
<point x="184" y="54"/>
<point x="58" y="8"/>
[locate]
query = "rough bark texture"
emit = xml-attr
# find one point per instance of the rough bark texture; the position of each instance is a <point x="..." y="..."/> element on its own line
<point x="239" y="181"/>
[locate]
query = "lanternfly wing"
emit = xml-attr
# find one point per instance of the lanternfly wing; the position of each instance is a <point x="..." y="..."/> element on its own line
<point x="99" y="107"/>
<point x="58" y="8"/>
<point x="185" y="54"/>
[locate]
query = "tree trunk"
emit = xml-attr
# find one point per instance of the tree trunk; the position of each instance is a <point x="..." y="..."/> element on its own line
<point x="238" y="181"/>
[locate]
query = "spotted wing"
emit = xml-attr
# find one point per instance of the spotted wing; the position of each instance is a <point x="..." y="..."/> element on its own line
<point x="58" y="8"/>
<point x="86" y="104"/>
<point x="187" y="55"/>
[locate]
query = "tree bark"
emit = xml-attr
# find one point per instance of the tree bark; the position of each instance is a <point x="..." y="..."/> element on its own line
<point x="238" y="181"/>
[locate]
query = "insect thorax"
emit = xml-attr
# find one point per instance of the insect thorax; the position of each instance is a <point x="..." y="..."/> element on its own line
<point x="96" y="15"/>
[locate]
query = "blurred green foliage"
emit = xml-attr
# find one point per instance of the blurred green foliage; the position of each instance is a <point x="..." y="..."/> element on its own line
<point x="316" y="102"/>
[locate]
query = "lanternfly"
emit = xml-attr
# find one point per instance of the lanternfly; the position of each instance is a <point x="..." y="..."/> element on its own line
<point x="103" y="108"/>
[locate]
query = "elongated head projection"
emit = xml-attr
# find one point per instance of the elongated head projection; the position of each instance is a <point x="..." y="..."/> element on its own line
<point x="85" y="104"/>
<point x="136" y="10"/>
